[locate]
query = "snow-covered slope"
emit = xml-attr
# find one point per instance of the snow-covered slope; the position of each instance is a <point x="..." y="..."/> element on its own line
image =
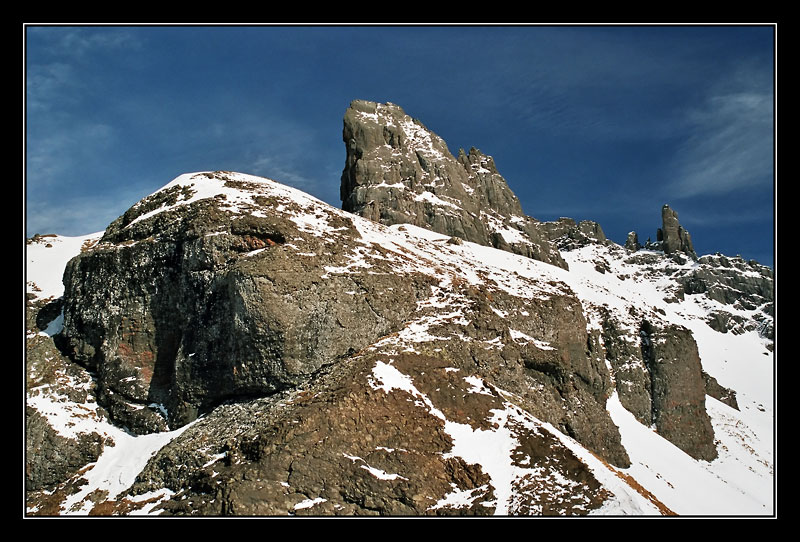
<point x="741" y="479"/>
<point x="46" y="258"/>
<point x="661" y="479"/>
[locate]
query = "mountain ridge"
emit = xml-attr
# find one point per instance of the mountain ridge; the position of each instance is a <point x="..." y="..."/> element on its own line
<point x="354" y="366"/>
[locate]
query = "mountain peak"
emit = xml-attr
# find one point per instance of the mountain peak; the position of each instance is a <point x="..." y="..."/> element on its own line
<point x="399" y="172"/>
<point x="233" y="346"/>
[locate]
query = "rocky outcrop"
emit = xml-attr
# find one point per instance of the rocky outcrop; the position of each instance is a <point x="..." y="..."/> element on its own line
<point x="659" y="379"/>
<point x="321" y="363"/>
<point x="207" y="301"/>
<point x="631" y="376"/>
<point x="719" y="392"/>
<point x="678" y="389"/>
<point x="632" y="242"/>
<point x="221" y="298"/>
<point x="671" y="237"/>
<point x="54" y="454"/>
<point x="746" y="286"/>
<point x="53" y="458"/>
<point x="569" y="235"/>
<point x="743" y="284"/>
<point x="399" y="172"/>
<point x="349" y="443"/>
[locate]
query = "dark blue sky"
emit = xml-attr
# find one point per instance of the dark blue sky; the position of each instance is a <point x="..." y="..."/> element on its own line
<point x="605" y="123"/>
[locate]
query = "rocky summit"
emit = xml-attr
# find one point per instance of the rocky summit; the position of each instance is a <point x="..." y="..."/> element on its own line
<point x="397" y="171"/>
<point x="233" y="346"/>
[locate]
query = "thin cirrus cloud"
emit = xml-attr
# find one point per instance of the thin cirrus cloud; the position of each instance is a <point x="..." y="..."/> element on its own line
<point x="730" y="146"/>
<point x="47" y="84"/>
<point x="56" y="58"/>
<point x="275" y="167"/>
<point x="80" y="41"/>
<point x="76" y="215"/>
<point x="50" y="157"/>
<point x="595" y="84"/>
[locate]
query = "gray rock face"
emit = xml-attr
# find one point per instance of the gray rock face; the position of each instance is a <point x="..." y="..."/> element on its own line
<point x="51" y="457"/>
<point x="204" y="301"/>
<point x="397" y="171"/>
<point x="659" y="379"/>
<point x="250" y="291"/>
<point x="343" y="365"/>
<point x="345" y="446"/>
<point x="719" y="392"/>
<point x="631" y="375"/>
<point x="732" y="281"/>
<point x="678" y="389"/>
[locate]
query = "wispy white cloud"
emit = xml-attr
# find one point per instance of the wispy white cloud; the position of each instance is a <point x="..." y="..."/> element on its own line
<point x="78" y="41"/>
<point x="49" y="211"/>
<point x="731" y="146"/>
<point x="57" y="56"/>
<point x="81" y="41"/>
<point x="271" y="144"/>
<point x="278" y="168"/>
<point x="51" y="155"/>
<point x="717" y="218"/>
<point x="593" y="84"/>
<point x="298" y="169"/>
<point x="47" y="84"/>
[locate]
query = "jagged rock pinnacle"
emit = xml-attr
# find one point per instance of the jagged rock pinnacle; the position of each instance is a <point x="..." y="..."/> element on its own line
<point x="632" y="242"/>
<point x="672" y="235"/>
<point x="397" y="172"/>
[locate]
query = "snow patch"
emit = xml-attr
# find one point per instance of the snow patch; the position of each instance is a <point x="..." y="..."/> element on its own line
<point x="117" y="467"/>
<point x="308" y="503"/>
<point x="45" y="264"/>
<point x="737" y="483"/>
<point x="494" y="449"/>
<point x="519" y="336"/>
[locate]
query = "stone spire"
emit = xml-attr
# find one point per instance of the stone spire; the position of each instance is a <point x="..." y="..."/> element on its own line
<point x="632" y="242"/>
<point x="672" y="236"/>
